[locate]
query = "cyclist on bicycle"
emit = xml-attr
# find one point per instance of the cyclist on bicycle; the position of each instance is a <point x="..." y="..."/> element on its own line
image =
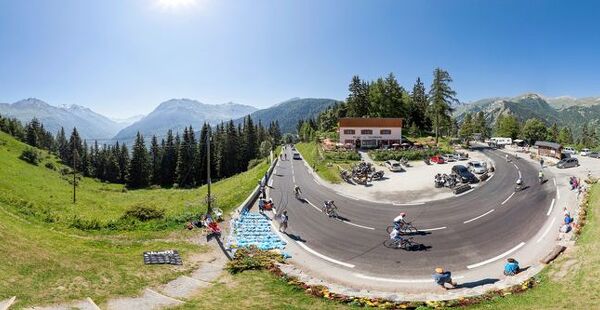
<point x="297" y="190"/>
<point x="395" y="235"/>
<point x="541" y="175"/>
<point x="328" y="206"/>
<point x="399" y="221"/>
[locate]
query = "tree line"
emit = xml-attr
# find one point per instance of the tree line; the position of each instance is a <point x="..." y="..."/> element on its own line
<point x="423" y="111"/>
<point x="177" y="160"/>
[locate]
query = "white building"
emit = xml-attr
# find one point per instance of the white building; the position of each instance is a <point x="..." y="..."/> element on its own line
<point x="370" y="132"/>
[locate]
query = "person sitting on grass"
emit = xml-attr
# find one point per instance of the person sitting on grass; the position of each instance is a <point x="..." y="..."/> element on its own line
<point x="442" y="277"/>
<point x="512" y="267"/>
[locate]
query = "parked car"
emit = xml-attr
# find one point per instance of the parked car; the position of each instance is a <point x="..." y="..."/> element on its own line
<point x="461" y="157"/>
<point x="448" y="157"/>
<point x="465" y="175"/>
<point x="393" y="165"/>
<point x="477" y="167"/>
<point x="296" y="155"/>
<point x="438" y="159"/>
<point x="594" y="154"/>
<point x="568" y="163"/>
<point x="584" y="152"/>
<point x="569" y="150"/>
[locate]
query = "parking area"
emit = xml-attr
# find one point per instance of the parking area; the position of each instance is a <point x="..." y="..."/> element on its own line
<point x="415" y="184"/>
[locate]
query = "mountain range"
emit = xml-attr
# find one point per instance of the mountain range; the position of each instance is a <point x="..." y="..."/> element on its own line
<point x="90" y="124"/>
<point x="289" y="112"/>
<point x="564" y="111"/>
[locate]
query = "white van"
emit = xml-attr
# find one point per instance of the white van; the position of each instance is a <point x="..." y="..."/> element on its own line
<point x="569" y="150"/>
<point x="584" y="152"/>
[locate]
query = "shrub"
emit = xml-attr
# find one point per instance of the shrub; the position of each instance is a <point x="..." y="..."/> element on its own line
<point x="381" y="155"/>
<point x="253" y="258"/>
<point x="143" y="213"/>
<point x="50" y="165"/>
<point x="65" y="171"/>
<point x="342" y="155"/>
<point x="31" y="156"/>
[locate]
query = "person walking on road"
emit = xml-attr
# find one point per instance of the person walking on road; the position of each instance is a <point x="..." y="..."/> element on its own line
<point x="284" y="221"/>
<point x="442" y="277"/>
<point x="542" y="162"/>
<point x="512" y="267"/>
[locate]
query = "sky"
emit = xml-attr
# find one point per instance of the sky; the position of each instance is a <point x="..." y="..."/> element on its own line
<point x="124" y="57"/>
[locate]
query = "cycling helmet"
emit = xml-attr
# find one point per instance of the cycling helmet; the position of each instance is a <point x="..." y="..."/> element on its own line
<point x="402" y="214"/>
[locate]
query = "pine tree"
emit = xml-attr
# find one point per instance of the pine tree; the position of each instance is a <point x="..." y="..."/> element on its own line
<point x="420" y="103"/>
<point x="553" y="133"/>
<point x="466" y="128"/>
<point x="123" y="163"/>
<point x="62" y="145"/>
<point x="86" y="165"/>
<point x="32" y="133"/>
<point x="185" y="161"/>
<point x="250" y="141"/>
<point x="138" y="175"/>
<point x="200" y="166"/>
<point x="168" y="161"/>
<point x="75" y="147"/>
<point x="155" y="161"/>
<point x="358" y="99"/>
<point x="441" y="97"/>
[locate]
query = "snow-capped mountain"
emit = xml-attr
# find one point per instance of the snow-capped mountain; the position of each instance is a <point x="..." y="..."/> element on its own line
<point x="176" y="114"/>
<point x="90" y="124"/>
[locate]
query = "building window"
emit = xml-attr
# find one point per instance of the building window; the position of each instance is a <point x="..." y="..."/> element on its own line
<point x="385" y="132"/>
<point x="366" y="132"/>
<point x="349" y="131"/>
<point x="347" y="141"/>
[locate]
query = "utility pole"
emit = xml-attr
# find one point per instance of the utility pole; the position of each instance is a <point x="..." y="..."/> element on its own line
<point x="74" y="175"/>
<point x="208" y="198"/>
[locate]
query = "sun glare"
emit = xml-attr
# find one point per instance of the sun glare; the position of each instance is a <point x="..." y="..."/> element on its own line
<point x="176" y="4"/>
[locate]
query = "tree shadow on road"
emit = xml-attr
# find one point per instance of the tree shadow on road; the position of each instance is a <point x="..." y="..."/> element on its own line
<point x="477" y="283"/>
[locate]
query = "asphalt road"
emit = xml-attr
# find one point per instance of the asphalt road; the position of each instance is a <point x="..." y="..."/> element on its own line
<point x="457" y="233"/>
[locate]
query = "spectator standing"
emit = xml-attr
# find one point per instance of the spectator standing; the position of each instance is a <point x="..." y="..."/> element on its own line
<point x="512" y="267"/>
<point x="542" y="162"/>
<point x="442" y="277"/>
<point x="284" y="221"/>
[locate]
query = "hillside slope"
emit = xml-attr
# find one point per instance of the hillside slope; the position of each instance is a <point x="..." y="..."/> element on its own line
<point x="289" y="112"/>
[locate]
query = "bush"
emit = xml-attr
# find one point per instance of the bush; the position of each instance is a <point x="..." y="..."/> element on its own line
<point x="31" y="156"/>
<point x="253" y="258"/>
<point x="143" y="213"/>
<point x="50" y="165"/>
<point x="342" y="155"/>
<point x="381" y="155"/>
<point x="65" y="171"/>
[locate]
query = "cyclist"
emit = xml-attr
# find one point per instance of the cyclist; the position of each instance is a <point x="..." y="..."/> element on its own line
<point x="395" y="235"/>
<point x="541" y="176"/>
<point x="399" y="221"/>
<point x="519" y="184"/>
<point x="297" y="191"/>
<point x="328" y="206"/>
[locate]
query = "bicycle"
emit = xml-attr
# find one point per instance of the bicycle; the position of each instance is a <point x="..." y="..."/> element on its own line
<point x="405" y="229"/>
<point x="401" y="243"/>
<point x="331" y="211"/>
<point x="297" y="194"/>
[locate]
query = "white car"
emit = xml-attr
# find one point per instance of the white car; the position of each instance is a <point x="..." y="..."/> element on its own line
<point x="477" y="167"/>
<point x="448" y="157"/>
<point x="296" y="155"/>
<point x="569" y="150"/>
<point x="393" y="165"/>
<point x="584" y="152"/>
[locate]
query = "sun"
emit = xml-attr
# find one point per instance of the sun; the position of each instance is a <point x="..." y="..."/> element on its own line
<point x="175" y="4"/>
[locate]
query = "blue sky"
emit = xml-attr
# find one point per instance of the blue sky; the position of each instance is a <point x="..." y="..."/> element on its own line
<point x="124" y="57"/>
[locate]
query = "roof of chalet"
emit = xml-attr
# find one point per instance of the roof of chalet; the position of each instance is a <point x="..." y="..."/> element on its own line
<point x="551" y="145"/>
<point x="370" y="122"/>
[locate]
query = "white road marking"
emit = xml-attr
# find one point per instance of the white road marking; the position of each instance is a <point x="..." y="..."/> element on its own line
<point x="349" y="223"/>
<point x="509" y="197"/>
<point x="546" y="231"/>
<point x="323" y="256"/>
<point x="270" y="183"/>
<point x="472" y="189"/>
<point x="408" y="204"/>
<point x="497" y="257"/>
<point x="362" y="276"/>
<point x="491" y="177"/>
<point x="361" y="226"/>
<point x="551" y="207"/>
<point x="519" y="174"/>
<point x="554" y="180"/>
<point x="432" y="229"/>
<point x="476" y="218"/>
<point x="275" y="171"/>
<point x="294" y="178"/>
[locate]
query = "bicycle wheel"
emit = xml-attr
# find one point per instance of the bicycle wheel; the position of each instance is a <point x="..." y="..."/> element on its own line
<point x="389" y="229"/>
<point x="406" y="244"/>
<point x="391" y="244"/>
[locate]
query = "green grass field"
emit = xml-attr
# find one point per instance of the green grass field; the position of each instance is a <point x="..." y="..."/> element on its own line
<point x="44" y="261"/>
<point x="328" y="170"/>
